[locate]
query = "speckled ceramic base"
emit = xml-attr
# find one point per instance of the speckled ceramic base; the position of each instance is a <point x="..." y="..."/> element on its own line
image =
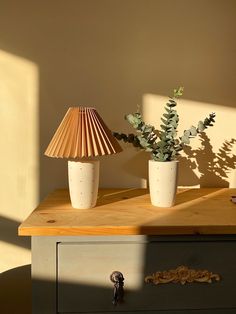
<point x="83" y="183"/>
<point x="163" y="182"/>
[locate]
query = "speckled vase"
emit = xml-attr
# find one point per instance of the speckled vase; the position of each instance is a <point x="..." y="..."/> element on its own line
<point x="83" y="183"/>
<point x="163" y="182"/>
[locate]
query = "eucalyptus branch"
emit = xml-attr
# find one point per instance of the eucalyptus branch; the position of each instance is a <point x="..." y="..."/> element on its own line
<point x="130" y="138"/>
<point x="194" y="131"/>
<point x="163" y="144"/>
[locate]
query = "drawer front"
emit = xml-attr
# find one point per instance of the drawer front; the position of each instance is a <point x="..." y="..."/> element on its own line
<point x="84" y="270"/>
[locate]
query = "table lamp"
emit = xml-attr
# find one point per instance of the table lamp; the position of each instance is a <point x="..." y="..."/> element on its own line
<point x="81" y="135"/>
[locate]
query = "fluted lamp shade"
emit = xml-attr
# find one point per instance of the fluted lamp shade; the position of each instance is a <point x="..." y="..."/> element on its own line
<point x="82" y="134"/>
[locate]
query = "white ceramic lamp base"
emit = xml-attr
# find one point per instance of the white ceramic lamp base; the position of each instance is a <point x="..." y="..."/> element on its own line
<point x="83" y="183"/>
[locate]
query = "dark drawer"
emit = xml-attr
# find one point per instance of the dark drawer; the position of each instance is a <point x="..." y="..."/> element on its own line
<point x="84" y="270"/>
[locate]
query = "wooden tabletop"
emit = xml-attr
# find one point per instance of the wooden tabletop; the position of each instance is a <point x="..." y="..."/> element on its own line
<point x="129" y="212"/>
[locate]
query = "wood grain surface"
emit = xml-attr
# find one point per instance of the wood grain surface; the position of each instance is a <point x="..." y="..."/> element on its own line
<point x="129" y="212"/>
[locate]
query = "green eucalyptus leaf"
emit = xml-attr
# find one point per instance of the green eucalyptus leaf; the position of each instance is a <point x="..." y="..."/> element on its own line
<point x="133" y="120"/>
<point x="154" y="157"/>
<point x="161" y="157"/>
<point x="201" y="126"/>
<point x="166" y="156"/>
<point x="185" y="139"/>
<point x="143" y="142"/>
<point x="161" y="144"/>
<point x="178" y="92"/>
<point x="167" y="115"/>
<point x="187" y="133"/>
<point x="164" y="121"/>
<point x="148" y="128"/>
<point x="174" y="123"/>
<point x="193" y="131"/>
<point x="163" y="127"/>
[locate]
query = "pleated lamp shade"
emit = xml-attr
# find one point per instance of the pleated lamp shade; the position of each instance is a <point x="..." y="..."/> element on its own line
<point x="82" y="133"/>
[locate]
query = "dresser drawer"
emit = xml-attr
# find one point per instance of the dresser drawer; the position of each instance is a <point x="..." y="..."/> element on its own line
<point x="84" y="268"/>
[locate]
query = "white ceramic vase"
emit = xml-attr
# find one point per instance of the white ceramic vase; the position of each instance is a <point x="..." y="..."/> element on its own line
<point x="83" y="183"/>
<point x="163" y="182"/>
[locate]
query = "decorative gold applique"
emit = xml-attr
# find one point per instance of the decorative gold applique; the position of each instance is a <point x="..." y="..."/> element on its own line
<point x="183" y="275"/>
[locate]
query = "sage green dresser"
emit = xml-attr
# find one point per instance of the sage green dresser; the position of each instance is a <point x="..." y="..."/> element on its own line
<point x="178" y="260"/>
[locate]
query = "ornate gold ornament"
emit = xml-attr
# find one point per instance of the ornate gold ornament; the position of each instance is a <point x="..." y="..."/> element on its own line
<point x="183" y="275"/>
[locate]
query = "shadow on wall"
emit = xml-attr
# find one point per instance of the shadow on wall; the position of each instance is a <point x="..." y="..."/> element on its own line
<point x="15" y="291"/>
<point x="9" y="233"/>
<point x="212" y="167"/>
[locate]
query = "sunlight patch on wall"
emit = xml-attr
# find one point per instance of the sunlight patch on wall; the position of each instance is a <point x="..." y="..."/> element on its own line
<point x="13" y="256"/>
<point x="211" y="158"/>
<point x="19" y="139"/>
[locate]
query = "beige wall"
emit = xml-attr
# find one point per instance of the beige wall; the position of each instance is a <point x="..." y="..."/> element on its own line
<point x="111" y="54"/>
<point x="19" y="138"/>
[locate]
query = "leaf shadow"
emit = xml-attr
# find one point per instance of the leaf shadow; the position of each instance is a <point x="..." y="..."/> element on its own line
<point x="213" y="167"/>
